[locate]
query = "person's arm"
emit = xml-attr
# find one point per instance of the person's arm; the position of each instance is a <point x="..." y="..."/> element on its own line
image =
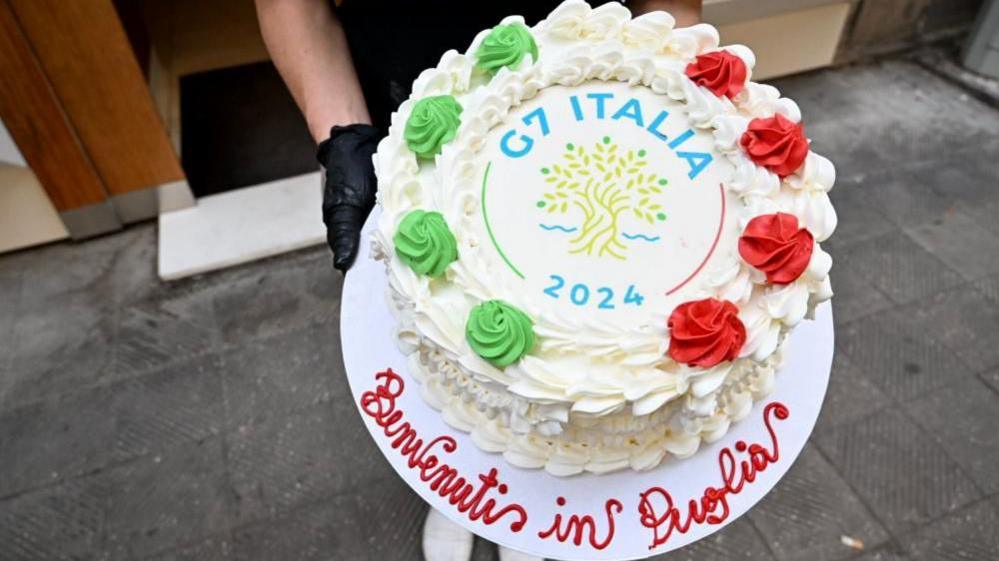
<point x="308" y="46"/>
<point x="686" y="12"/>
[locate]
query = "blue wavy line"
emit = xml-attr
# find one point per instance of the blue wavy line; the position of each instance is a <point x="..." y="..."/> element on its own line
<point x="640" y="237"/>
<point x="557" y="227"/>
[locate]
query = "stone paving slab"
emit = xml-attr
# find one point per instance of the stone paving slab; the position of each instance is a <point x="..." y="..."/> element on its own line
<point x="206" y="419"/>
<point x="905" y="478"/>
<point x="854" y="297"/>
<point x="888" y="114"/>
<point x="159" y="501"/>
<point x="962" y="243"/>
<point x="958" y="177"/>
<point x="902" y="359"/>
<point x="279" y="299"/>
<point x="289" y="371"/>
<point x="392" y="516"/>
<point x="851" y="396"/>
<point x="305" y="534"/>
<point x="162" y="328"/>
<point x="65" y="521"/>
<point x="952" y="416"/>
<point x="216" y="548"/>
<point x="897" y="267"/>
<point x="10" y="287"/>
<point x="989" y="287"/>
<point x="963" y="320"/>
<point x="984" y="213"/>
<point x="969" y="533"/>
<point x="966" y="534"/>
<point x="739" y="541"/>
<point x="857" y="218"/>
<point x="992" y="379"/>
<point x="890" y="552"/>
<point x="53" y="440"/>
<point x="60" y="348"/>
<point x="283" y="462"/>
<point x="806" y="516"/>
<point x="900" y="194"/>
<point x="176" y="405"/>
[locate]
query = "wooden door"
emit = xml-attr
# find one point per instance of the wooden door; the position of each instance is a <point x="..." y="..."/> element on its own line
<point x="76" y="102"/>
<point x="34" y="116"/>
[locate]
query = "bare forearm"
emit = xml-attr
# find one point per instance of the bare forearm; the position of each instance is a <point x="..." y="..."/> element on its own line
<point x="308" y="46"/>
<point x="686" y="12"/>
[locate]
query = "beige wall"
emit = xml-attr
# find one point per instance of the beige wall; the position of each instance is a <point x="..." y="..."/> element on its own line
<point x="791" y="41"/>
<point x="27" y="217"/>
<point x="9" y="153"/>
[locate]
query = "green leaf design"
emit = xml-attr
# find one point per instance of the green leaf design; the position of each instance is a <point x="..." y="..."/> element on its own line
<point x="600" y="183"/>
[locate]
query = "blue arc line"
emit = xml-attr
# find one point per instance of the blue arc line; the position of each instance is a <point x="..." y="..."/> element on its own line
<point x="640" y="237"/>
<point x="557" y="227"/>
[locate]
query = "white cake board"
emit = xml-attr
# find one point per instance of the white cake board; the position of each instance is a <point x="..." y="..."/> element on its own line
<point x="369" y="347"/>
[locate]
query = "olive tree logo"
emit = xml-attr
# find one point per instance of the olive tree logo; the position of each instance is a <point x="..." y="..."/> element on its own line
<point x="605" y="183"/>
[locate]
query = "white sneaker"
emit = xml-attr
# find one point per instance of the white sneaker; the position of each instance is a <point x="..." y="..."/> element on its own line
<point x="444" y="540"/>
<point x="506" y="554"/>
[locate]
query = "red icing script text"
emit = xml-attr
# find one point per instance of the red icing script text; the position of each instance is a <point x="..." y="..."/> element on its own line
<point x="580" y="527"/>
<point x="712" y="507"/>
<point x="469" y="498"/>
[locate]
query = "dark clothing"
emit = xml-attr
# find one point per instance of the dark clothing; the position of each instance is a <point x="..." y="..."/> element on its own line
<point x="393" y="41"/>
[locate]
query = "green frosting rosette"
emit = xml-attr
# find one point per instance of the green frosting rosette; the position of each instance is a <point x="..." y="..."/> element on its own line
<point x="433" y="123"/>
<point x="425" y="243"/>
<point x="505" y="45"/>
<point x="499" y="332"/>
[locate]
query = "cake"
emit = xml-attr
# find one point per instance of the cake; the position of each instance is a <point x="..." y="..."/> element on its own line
<point x="598" y="233"/>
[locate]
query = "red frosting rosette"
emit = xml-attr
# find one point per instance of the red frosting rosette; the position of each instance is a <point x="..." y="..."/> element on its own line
<point x="705" y="332"/>
<point x="721" y="72"/>
<point x="776" y="143"/>
<point x="776" y="245"/>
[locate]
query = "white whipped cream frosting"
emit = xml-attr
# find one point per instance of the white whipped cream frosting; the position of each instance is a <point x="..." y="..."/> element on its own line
<point x="593" y="395"/>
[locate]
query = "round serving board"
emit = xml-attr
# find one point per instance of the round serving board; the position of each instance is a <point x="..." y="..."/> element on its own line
<point x="622" y="515"/>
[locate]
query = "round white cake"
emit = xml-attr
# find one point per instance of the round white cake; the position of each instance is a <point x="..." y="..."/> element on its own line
<point x="598" y="233"/>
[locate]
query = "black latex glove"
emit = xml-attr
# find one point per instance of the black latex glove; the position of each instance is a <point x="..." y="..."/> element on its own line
<point x="349" y="191"/>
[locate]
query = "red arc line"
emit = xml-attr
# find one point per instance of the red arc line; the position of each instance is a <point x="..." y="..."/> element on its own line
<point x="721" y="224"/>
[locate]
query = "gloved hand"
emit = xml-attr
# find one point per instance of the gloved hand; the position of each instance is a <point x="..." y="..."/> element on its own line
<point x="349" y="190"/>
